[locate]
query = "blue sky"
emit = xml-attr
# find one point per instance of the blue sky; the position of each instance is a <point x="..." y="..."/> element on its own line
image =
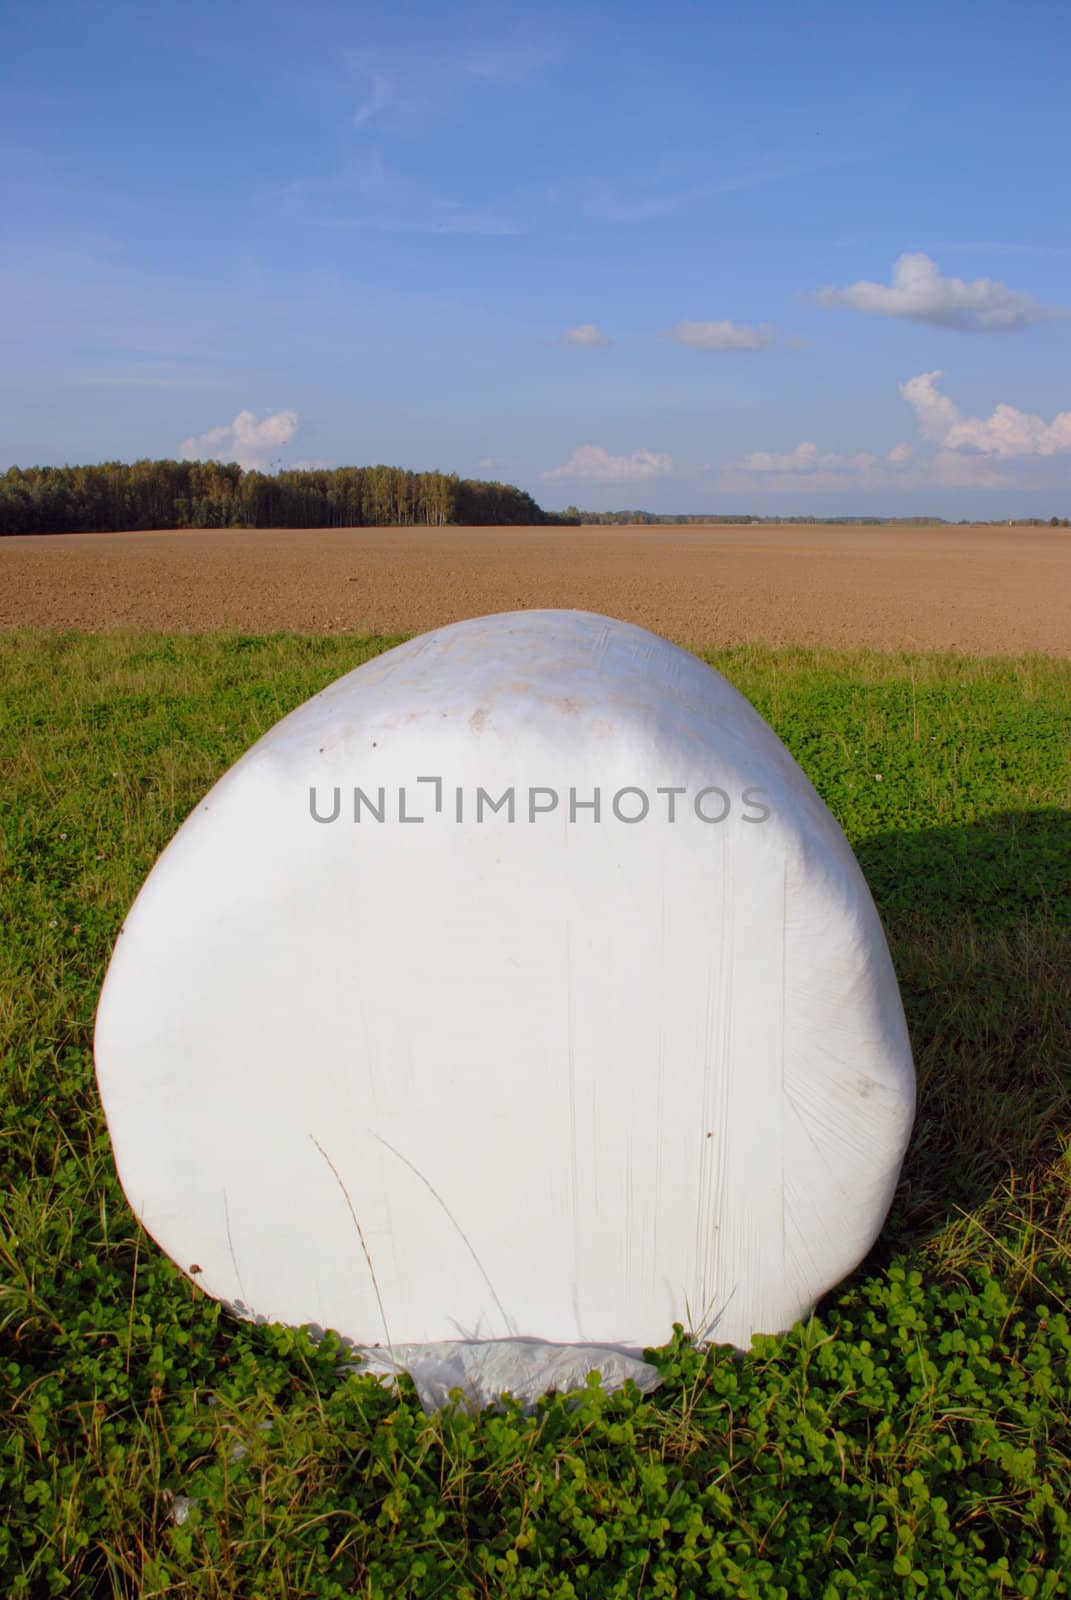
<point x="697" y="257"/>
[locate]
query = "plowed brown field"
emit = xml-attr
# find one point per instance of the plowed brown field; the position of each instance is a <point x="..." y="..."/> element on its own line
<point x="981" y="590"/>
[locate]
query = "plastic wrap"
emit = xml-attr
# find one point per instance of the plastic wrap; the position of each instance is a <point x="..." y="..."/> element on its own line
<point x="626" y="1049"/>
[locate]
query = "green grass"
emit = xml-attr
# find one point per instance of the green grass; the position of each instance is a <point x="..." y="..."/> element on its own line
<point x="911" y="1438"/>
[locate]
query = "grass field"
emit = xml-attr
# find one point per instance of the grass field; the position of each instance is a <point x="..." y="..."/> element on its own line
<point x="913" y="1437"/>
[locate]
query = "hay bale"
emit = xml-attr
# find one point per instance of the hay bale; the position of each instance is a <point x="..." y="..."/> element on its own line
<point x="609" y="1038"/>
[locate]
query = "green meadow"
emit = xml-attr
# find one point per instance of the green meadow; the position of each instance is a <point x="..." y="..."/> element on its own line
<point x="913" y="1437"/>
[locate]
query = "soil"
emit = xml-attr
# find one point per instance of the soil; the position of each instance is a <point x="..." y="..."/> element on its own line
<point x="975" y="590"/>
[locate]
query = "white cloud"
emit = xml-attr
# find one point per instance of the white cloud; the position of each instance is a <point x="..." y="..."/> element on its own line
<point x="245" y="440"/>
<point x="919" y="293"/>
<point x="489" y="463"/>
<point x="723" y="335"/>
<point x="957" y="452"/>
<point x="804" y="458"/>
<point x="407" y="103"/>
<point x="507" y="64"/>
<point x="367" y="192"/>
<point x="806" y="468"/>
<point x="643" y="197"/>
<point x="935" y="413"/>
<point x="394" y="105"/>
<point x="381" y="96"/>
<point x="1007" y="432"/>
<point x="950" y="470"/>
<point x="596" y="465"/>
<point x="586" y="337"/>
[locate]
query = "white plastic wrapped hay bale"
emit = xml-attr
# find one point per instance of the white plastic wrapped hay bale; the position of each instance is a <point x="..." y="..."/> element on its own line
<point x="517" y="986"/>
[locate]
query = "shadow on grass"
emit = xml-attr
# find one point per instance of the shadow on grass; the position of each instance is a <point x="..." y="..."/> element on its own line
<point x="978" y="919"/>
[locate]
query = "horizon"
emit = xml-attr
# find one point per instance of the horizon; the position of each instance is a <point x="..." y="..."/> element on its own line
<point x="780" y="259"/>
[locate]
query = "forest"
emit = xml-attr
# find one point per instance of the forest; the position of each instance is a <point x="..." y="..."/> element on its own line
<point x="116" y="497"/>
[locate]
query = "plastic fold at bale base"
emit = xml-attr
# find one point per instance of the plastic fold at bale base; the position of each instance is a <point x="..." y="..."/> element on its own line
<point x="525" y="1369"/>
<point x="517" y="987"/>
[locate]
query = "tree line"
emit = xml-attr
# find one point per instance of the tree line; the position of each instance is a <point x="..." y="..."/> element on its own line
<point x="612" y="519"/>
<point x="117" y="497"/>
<point x="658" y="519"/>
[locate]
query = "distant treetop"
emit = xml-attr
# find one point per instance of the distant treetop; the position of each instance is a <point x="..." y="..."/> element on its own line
<point x="115" y="497"/>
